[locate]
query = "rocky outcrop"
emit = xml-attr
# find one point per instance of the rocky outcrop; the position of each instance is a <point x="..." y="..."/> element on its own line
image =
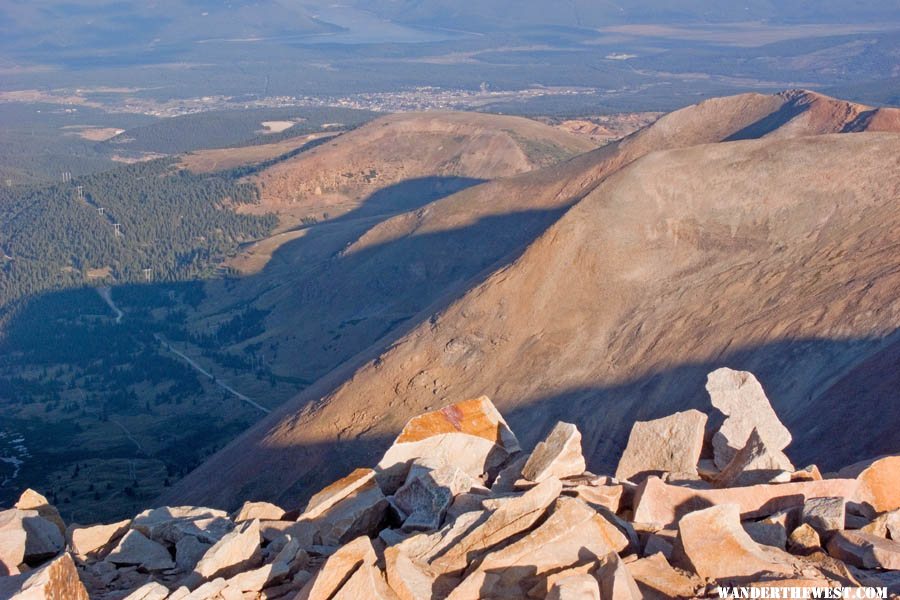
<point x="668" y="445"/>
<point x="559" y="455"/>
<point x="432" y="524"/>
<point x="740" y="397"/>
<point x="56" y="580"/>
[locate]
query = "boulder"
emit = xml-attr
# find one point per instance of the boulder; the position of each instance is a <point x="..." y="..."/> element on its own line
<point x="12" y="541"/>
<point x="572" y="533"/>
<point x="338" y="569"/>
<point x="149" y="591"/>
<point x="56" y="580"/>
<point x="575" y="587"/>
<point x="767" y="534"/>
<point x="235" y="552"/>
<point x="43" y="539"/>
<point x="608" y="496"/>
<point x="425" y="547"/>
<point x="264" y="511"/>
<point x="663" y="504"/>
<point x="366" y="582"/>
<point x="657" y="579"/>
<point x="90" y="540"/>
<point x="717" y="547"/>
<point x="825" y="515"/>
<point x="427" y="494"/>
<point x="884" y="525"/>
<point x="169" y="524"/>
<point x="470" y="435"/>
<point x="659" y="544"/>
<point x="616" y="583"/>
<point x="879" y="482"/>
<point x="512" y="516"/>
<point x="136" y="549"/>
<point x="346" y="509"/>
<point x="804" y="540"/>
<point x="409" y="580"/>
<point x="740" y="397"/>
<point x="864" y="550"/>
<point x="32" y="500"/>
<point x="254" y="580"/>
<point x="788" y="518"/>
<point x="558" y="455"/>
<point x="753" y="464"/>
<point x="337" y="491"/>
<point x="668" y="445"/>
<point x="188" y="552"/>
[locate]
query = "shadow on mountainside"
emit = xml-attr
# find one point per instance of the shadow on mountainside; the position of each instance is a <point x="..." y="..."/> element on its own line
<point x="337" y="305"/>
<point x="326" y="304"/>
<point x="839" y="399"/>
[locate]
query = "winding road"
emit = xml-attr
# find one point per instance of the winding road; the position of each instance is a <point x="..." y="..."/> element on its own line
<point x="212" y="377"/>
<point x="106" y="293"/>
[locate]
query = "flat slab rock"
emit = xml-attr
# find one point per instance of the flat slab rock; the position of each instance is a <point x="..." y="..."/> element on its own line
<point x="668" y="445"/>
<point x="571" y="534"/>
<point x="348" y="508"/>
<point x="136" y="549"/>
<point x="718" y="547"/>
<point x="664" y="504"/>
<point x="558" y="455"/>
<point x="87" y="540"/>
<point x="742" y="400"/>
<point x="865" y="550"/>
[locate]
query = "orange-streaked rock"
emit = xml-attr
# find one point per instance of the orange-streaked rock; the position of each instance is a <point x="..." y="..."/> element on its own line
<point x="470" y="435"/>
<point x="663" y="504"/>
<point x="478" y="417"/>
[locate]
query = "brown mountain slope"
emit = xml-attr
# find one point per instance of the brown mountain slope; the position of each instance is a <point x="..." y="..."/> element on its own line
<point x="685" y="259"/>
<point x="334" y="289"/>
<point x="430" y="149"/>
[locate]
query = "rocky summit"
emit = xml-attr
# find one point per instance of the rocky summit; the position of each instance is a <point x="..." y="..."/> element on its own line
<point x="457" y="510"/>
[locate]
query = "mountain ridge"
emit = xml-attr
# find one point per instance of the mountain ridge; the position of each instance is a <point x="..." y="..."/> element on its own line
<point x="408" y="372"/>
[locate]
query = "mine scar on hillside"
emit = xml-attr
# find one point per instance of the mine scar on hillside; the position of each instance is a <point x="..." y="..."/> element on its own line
<point x="468" y="417"/>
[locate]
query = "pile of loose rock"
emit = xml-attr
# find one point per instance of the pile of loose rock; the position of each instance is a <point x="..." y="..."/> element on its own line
<point x="455" y="509"/>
